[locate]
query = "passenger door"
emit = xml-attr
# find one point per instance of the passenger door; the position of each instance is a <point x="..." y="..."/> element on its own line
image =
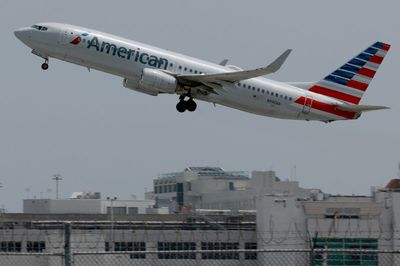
<point x="307" y="104"/>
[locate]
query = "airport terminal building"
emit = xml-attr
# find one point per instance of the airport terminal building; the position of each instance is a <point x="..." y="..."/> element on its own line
<point x="255" y="212"/>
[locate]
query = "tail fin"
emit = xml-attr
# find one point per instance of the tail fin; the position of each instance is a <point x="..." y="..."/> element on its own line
<point x="350" y="81"/>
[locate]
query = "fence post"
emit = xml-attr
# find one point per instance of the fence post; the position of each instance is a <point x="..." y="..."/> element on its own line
<point x="67" y="244"/>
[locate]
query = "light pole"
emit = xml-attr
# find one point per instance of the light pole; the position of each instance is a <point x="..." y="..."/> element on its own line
<point x="2" y="209"/>
<point x="112" y="199"/>
<point x="57" y="178"/>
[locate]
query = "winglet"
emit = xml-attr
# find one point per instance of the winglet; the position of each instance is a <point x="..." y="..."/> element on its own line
<point x="223" y="62"/>
<point x="276" y="65"/>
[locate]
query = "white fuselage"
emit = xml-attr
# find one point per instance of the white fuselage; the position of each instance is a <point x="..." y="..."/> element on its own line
<point x="127" y="59"/>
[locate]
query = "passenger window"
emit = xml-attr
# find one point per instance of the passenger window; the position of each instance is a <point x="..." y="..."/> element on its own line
<point x="258" y="89"/>
<point x="263" y="91"/>
<point x="185" y="68"/>
<point x="180" y="67"/>
<point x="195" y="71"/>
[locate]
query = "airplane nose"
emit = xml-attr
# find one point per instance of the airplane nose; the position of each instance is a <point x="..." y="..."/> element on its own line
<point x="22" y="33"/>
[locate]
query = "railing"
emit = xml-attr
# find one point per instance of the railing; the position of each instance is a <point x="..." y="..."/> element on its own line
<point x="297" y="257"/>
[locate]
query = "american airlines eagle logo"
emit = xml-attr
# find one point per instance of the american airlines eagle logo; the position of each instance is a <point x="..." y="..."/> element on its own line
<point x="77" y="40"/>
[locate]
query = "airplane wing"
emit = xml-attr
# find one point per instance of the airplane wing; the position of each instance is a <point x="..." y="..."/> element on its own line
<point x="236" y="75"/>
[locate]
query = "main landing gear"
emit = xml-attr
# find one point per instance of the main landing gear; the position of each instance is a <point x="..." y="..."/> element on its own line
<point x="183" y="105"/>
<point x="45" y="65"/>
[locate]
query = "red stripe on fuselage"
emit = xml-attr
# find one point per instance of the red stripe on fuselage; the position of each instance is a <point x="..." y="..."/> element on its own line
<point x="325" y="107"/>
<point x="335" y="94"/>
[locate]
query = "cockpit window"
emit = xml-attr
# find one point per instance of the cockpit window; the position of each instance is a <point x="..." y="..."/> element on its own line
<point x="41" y="28"/>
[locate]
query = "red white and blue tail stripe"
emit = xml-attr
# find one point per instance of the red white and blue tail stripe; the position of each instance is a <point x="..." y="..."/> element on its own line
<point x="350" y="81"/>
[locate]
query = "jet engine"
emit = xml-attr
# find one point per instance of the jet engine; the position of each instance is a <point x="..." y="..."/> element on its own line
<point x="153" y="79"/>
<point x="133" y="84"/>
<point x="153" y="82"/>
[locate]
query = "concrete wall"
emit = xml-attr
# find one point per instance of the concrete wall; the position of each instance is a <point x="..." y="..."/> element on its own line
<point x="84" y="206"/>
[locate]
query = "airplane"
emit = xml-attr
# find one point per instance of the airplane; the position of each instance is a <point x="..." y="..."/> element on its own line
<point x="154" y="71"/>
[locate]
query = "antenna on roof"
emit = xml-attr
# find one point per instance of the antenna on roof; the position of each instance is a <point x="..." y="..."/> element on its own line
<point x="57" y="178"/>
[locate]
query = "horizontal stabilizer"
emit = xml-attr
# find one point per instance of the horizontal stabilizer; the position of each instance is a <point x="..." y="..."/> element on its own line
<point x="360" y="108"/>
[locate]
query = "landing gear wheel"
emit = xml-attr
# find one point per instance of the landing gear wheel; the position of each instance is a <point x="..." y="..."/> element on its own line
<point x="181" y="106"/>
<point x="191" y="105"/>
<point x="45" y="66"/>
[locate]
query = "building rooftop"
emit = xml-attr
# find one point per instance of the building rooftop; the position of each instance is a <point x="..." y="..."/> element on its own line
<point x="206" y="171"/>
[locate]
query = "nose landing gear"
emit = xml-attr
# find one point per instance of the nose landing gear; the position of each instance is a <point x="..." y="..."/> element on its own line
<point x="183" y="105"/>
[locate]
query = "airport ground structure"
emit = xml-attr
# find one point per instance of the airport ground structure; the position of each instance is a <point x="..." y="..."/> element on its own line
<point x="264" y="221"/>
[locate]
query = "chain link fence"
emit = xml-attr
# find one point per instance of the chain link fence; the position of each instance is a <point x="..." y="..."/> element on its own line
<point x="31" y="259"/>
<point x="295" y="257"/>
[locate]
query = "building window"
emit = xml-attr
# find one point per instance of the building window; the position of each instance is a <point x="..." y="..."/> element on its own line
<point x="219" y="246"/>
<point x="133" y="210"/>
<point x="10" y="246"/>
<point x="177" y="246"/>
<point x="349" y="258"/>
<point x="117" y="210"/>
<point x="250" y="255"/>
<point x="35" y="246"/>
<point x="129" y="246"/>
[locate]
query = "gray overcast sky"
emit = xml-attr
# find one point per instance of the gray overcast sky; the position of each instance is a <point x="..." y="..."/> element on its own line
<point x="102" y="137"/>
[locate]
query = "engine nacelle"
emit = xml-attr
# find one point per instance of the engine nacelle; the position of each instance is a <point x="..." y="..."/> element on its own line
<point x="133" y="84"/>
<point x="156" y="80"/>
